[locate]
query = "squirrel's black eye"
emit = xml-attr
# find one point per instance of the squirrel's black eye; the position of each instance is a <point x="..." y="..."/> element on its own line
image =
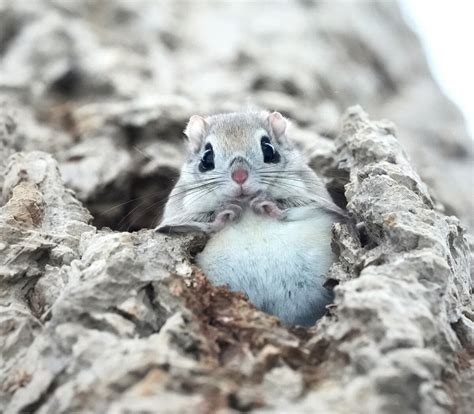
<point x="207" y="159"/>
<point x="270" y="155"/>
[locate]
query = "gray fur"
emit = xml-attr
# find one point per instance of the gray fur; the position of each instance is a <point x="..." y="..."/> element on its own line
<point x="247" y="253"/>
<point x="280" y="266"/>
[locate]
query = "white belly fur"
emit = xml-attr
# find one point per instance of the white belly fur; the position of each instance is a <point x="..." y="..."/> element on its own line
<point x="279" y="265"/>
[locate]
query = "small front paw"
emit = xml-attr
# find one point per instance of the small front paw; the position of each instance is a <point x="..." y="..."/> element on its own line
<point x="229" y="214"/>
<point x="266" y="207"/>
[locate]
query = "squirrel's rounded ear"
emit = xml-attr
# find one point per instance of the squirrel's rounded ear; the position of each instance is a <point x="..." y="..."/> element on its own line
<point x="196" y="131"/>
<point x="277" y="124"/>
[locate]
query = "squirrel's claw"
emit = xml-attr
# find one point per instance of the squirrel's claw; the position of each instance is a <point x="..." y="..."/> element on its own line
<point x="266" y="207"/>
<point x="230" y="213"/>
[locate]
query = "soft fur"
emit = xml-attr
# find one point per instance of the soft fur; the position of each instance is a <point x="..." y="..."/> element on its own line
<point x="278" y="261"/>
<point x="279" y="265"/>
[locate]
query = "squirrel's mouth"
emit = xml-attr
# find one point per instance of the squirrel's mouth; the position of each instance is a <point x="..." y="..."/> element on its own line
<point x="244" y="193"/>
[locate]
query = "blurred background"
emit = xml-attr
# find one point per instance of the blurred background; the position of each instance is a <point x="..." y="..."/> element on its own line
<point x="107" y="86"/>
<point x="445" y="30"/>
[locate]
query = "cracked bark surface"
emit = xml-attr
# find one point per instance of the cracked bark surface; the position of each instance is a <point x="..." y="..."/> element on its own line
<point x="103" y="321"/>
<point x="106" y="87"/>
<point x="94" y="96"/>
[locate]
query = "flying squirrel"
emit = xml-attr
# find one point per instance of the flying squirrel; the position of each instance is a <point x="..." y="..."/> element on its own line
<point x="269" y="216"/>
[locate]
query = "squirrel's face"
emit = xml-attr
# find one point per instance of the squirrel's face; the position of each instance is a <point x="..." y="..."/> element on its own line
<point x="236" y="156"/>
<point x="237" y="163"/>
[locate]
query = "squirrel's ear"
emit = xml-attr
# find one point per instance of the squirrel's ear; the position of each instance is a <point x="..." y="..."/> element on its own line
<point x="277" y="124"/>
<point x="196" y="131"/>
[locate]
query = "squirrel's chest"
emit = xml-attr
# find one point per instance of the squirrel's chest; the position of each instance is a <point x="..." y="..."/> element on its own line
<point x="275" y="263"/>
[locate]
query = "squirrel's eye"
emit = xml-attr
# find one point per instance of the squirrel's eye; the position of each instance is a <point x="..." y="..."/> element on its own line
<point x="270" y="155"/>
<point x="207" y="159"/>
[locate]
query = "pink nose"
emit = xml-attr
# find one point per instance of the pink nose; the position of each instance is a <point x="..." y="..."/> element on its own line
<point x="239" y="176"/>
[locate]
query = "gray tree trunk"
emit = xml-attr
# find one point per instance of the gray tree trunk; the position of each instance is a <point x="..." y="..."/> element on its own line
<point x="111" y="321"/>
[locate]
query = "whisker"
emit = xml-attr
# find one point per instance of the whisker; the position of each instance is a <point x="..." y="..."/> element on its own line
<point x="312" y="181"/>
<point x="200" y="182"/>
<point x="128" y="215"/>
<point x="142" y="152"/>
<point x="326" y="175"/>
<point x="194" y="190"/>
<point x="272" y="171"/>
<point x="288" y="187"/>
<point x="205" y="191"/>
<point x="284" y="186"/>
<point x="289" y="174"/>
<point x="134" y="199"/>
<point x="197" y="195"/>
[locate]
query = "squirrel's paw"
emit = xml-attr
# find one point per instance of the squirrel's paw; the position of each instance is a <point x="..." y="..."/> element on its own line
<point x="230" y="213"/>
<point x="266" y="207"/>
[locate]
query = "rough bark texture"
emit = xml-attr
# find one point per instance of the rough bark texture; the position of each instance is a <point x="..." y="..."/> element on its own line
<point x="107" y="321"/>
<point x="102" y="321"/>
<point x="107" y="86"/>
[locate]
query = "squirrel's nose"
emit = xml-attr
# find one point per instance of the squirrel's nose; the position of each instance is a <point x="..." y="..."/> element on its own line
<point x="240" y="176"/>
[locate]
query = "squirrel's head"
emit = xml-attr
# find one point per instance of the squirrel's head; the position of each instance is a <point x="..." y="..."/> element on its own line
<point x="237" y="155"/>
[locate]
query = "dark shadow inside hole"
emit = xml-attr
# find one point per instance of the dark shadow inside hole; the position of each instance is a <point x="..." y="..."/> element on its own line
<point x="330" y="284"/>
<point x="69" y="83"/>
<point x="138" y="206"/>
<point x="363" y="235"/>
<point x="197" y="248"/>
<point x="335" y="181"/>
<point x="337" y="194"/>
<point x="366" y="241"/>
